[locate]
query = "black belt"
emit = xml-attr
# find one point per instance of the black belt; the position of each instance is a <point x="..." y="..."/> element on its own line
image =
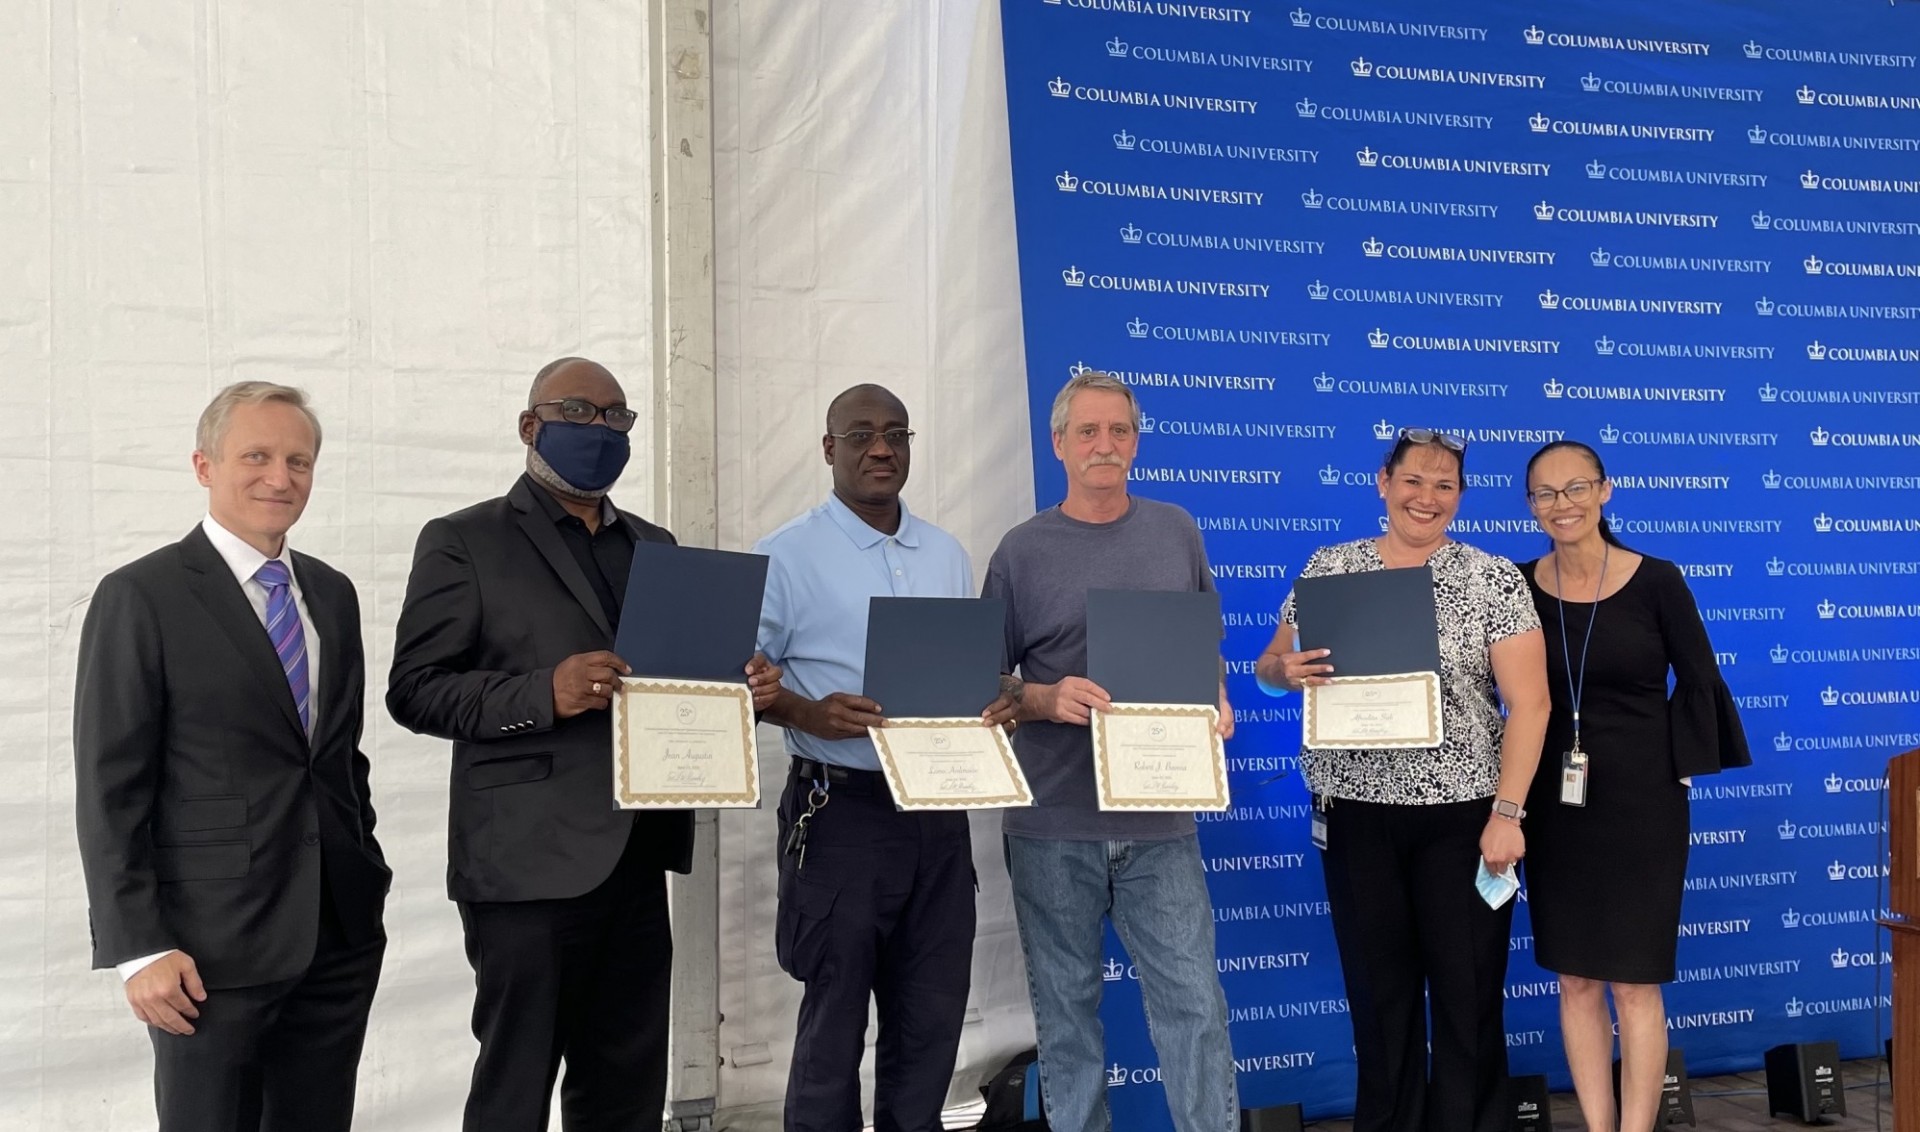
<point x="815" y="769"/>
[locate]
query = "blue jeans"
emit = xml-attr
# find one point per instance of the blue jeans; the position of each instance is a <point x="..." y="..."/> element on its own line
<point x="1156" y="894"/>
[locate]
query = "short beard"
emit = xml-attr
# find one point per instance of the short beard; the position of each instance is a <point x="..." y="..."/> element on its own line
<point x="539" y="469"/>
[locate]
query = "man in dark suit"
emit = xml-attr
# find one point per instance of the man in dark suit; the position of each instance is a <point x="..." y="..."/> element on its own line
<point x="503" y="647"/>
<point x="225" y="826"/>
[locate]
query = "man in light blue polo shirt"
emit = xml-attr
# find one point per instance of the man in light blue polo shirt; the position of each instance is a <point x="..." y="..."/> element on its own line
<point x="874" y="903"/>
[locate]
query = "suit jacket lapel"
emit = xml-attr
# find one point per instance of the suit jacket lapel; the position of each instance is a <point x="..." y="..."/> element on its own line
<point x="213" y="586"/>
<point x="329" y="624"/>
<point x="546" y="538"/>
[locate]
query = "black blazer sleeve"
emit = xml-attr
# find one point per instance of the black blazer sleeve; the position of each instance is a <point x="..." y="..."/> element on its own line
<point x="119" y="730"/>
<point x="434" y="687"/>
<point x="1703" y="723"/>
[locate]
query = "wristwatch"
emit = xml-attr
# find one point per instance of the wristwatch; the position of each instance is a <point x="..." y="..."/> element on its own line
<point x="1508" y="810"/>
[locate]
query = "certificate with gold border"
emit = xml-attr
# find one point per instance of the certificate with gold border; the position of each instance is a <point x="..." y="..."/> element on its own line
<point x="680" y="744"/>
<point x="1400" y="711"/>
<point x="1160" y="757"/>
<point x="949" y="764"/>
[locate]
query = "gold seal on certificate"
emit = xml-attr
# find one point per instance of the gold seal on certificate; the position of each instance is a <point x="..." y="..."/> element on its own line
<point x="949" y="764"/>
<point x="1392" y="712"/>
<point x="683" y="743"/>
<point x="1160" y="757"/>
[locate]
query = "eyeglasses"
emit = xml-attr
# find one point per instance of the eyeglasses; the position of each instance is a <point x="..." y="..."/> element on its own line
<point x="861" y="439"/>
<point x="579" y="410"/>
<point x="1433" y="436"/>
<point x="1579" y="491"/>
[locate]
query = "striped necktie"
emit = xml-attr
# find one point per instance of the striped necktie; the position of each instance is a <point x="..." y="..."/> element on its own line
<point x="289" y="639"/>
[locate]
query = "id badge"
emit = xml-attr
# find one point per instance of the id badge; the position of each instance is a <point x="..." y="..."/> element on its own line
<point x="1573" y="778"/>
<point x="1319" y="828"/>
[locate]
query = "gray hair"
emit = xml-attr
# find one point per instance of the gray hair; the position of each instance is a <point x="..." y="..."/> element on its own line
<point x="212" y="430"/>
<point x="1095" y="380"/>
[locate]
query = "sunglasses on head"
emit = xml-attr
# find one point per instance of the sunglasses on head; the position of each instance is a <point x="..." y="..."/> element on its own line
<point x="1433" y="436"/>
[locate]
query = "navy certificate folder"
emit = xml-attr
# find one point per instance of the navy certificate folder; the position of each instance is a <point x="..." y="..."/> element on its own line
<point x="691" y="613"/>
<point x="935" y="657"/>
<point x="1377" y="622"/>
<point x="1154" y="647"/>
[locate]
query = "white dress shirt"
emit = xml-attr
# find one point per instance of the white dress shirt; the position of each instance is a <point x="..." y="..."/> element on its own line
<point x="245" y="561"/>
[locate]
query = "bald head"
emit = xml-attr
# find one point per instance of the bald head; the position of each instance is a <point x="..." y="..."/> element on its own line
<point x="572" y="371"/>
<point x="864" y="402"/>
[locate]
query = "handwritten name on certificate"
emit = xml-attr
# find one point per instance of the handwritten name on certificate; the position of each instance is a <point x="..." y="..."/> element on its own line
<point x="949" y="764"/>
<point x="1394" y="712"/>
<point x="1160" y="757"/>
<point x="683" y="743"/>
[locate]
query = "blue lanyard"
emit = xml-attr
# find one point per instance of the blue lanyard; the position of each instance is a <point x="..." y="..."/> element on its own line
<point x="1576" y="687"/>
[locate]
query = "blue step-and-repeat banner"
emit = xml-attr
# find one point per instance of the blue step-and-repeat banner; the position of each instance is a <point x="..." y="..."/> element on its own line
<point x="1686" y="233"/>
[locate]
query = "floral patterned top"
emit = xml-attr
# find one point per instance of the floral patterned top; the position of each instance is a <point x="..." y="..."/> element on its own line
<point x="1478" y="599"/>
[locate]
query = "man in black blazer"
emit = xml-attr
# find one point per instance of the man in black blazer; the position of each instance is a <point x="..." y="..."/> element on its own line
<point x="225" y="827"/>
<point x="503" y="647"/>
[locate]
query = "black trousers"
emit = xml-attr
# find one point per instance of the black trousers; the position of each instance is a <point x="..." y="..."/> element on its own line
<point x="1416" y="937"/>
<point x="584" y="980"/>
<point x="881" y="910"/>
<point x="279" y="1057"/>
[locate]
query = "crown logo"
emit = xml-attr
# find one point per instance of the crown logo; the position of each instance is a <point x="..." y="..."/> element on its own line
<point x="1552" y="388"/>
<point x="1540" y="123"/>
<point x="1116" y="1076"/>
<point x="1382" y="430"/>
<point x="1838" y="958"/>
<point x="1366" y="157"/>
<point x="1323" y="383"/>
<point x="1073" y="277"/>
<point x="1816" y="352"/>
<point x="1822" y="523"/>
<point x="1117" y="47"/>
<point x="1306" y="108"/>
<point x="1130" y="235"/>
<point x="1837" y="871"/>
<point x="1768" y="393"/>
<point x="1590" y="83"/>
<point x="1805" y="95"/>
<point x="1795" y="1007"/>
<point x="1543" y="211"/>
<point x="1123" y="140"/>
<point x="1600" y="257"/>
<point x="1383" y="524"/>
<point x="1549" y="301"/>
<point x="1616" y="524"/>
<point x="1534" y="36"/>
<point x="1361" y="68"/>
<point x="1829" y="696"/>
<point x="1783" y="742"/>
<point x="1060" y="87"/>
<point x="1301" y="17"/>
<point x="1597" y="170"/>
<point x="1761" y="221"/>
<point x="1330" y="475"/>
<point x="1778" y="653"/>
<point x="1066" y="182"/>
<point x="1776" y="568"/>
<point x="1771" y="479"/>
<point x="1373" y="247"/>
<point x="1813" y="265"/>
<point x="1609" y="434"/>
<point x="1819" y="436"/>
<point x="1318" y="290"/>
<point x="1312" y="198"/>
<point x="1809" y="180"/>
<point x="1377" y="338"/>
<point x="1113" y="971"/>
<point x="1788" y="831"/>
<point x="1752" y="48"/>
<point x="1137" y="328"/>
<point x="1603" y="346"/>
<point x="1834" y="784"/>
<point x="1763" y="307"/>
<point x="1757" y="135"/>
<point x="1789" y="919"/>
<point x="1078" y="368"/>
<point x="1826" y="609"/>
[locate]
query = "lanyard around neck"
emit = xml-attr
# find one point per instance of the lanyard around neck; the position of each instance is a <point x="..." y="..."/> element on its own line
<point x="1578" y="684"/>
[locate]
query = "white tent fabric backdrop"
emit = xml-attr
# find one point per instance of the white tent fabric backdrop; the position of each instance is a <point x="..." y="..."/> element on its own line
<point x="406" y="208"/>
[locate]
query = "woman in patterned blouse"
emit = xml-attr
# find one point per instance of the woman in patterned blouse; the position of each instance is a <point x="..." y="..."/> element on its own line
<point x="1406" y="829"/>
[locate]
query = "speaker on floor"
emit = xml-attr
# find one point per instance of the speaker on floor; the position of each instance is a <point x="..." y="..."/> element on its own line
<point x="1273" y="1118"/>
<point x="1529" y="1103"/>
<point x="1676" y="1094"/>
<point x="1803" y="1080"/>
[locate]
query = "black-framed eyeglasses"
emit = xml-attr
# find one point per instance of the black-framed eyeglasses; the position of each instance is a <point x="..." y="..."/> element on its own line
<point x="1433" y="436"/>
<point x="861" y="439"/>
<point x="1579" y="491"/>
<point x="579" y="410"/>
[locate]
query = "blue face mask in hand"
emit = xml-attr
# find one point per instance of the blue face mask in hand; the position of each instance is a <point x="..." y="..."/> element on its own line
<point x="588" y="456"/>
<point x="1496" y="888"/>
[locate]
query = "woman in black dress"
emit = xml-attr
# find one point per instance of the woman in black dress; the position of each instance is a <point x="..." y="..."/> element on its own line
<point x="1604" y="878"/>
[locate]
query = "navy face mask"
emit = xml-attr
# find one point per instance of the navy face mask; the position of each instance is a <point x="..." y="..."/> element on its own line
<point x="589" y="456"/>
